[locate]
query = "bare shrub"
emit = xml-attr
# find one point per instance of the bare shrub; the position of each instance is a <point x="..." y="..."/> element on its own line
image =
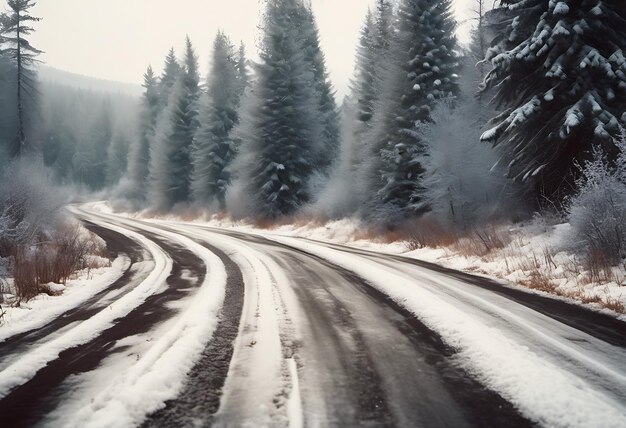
<point x="483" y="241"/>
<point x="70" y="253"/>
<point x="53" y="260"/>
<point x="382" y="235"/>
<point x="589" y="298"/>
<point x="492" y="238"/>
<point x="614" y="304"/>
<point x="599" y="267"/>
<point x="427" y="232"/>
<point x="538" y="280"/>
<point x="598" y="212"/>
<point x="24" y="275"/>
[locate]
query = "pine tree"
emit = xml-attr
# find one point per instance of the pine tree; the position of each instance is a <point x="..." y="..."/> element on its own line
<point x="280" y="146"/>
<point x="213" y="147"/>
<point x="91" y="162"/>
<point x="560" y="73"/>
<point x="327" y="106"/>
<point x="171" y="71"/>
<point x="15" y="29"/>
<point x="243" y="72"/>
<point x="427" y="61"/>
<point x="373" y="66"/>
<point x="170" y="157"/>
<point x="9" y="144"/>
<point x="384" y="25"/>
<point x="117" y="158"/>
<point x="364" y="85"/>
<point x="372" y="56"/>
<point x="139" y="156"/>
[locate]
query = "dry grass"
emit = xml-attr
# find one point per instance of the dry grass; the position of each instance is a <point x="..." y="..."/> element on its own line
<point x="588" y="298"/>
<point x="380" y="235"/>
<point x="427" y="232"/>
<point x="538" y="280"/>
<point x="614" y="304"/>
<point x="600" y="268"/>
<point x="54" y="259"/>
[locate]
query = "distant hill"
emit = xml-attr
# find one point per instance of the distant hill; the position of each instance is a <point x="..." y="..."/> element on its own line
<point x="65" y="78"/>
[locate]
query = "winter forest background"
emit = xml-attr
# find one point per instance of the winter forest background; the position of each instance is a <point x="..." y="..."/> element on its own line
<point x="433" y="136"/>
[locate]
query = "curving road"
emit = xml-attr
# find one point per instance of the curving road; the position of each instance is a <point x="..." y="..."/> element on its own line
<point x="214" y="327"/>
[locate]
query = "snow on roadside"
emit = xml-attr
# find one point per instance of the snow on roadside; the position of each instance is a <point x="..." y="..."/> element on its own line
<point x="29" y="363"/>
<point x="536" y="258"/>
<point x="157" y="372"/>
<point x="543" y="391"/>
<point x="42" y="309"/>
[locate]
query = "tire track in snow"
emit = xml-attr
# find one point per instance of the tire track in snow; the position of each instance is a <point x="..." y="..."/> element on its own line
<point x="353" y="395"/>
<point x="27" y="366"/>
<point x="44" y="391"/>
<point x="257" y="348"/>
<point x="158" y="375"/>
<point x="200" y="398"/>
<point x="117" y="244"/>
<point x="544" y="391"/>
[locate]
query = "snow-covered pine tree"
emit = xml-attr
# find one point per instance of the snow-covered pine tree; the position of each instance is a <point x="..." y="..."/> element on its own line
<point x="243" y="70"/>
<point x="171" y="71"/>
<point x="560" y="71"/>
<point x="426" y="58"/>
<point x="213" y="147"/>
<point x="278" y="151"/>
<point x="139" y="156"/>
<point x="372" y="55"/>
<point x="170" y="157"/>
<point x="327" y="105"/>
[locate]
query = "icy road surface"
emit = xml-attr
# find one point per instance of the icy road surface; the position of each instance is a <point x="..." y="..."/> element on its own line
<point x="213" y="327"/>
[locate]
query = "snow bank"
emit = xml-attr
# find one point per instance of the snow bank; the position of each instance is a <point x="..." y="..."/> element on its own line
<point x="42" y="309"/>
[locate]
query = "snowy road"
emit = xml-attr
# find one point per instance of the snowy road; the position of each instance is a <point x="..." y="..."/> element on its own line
<point x="222" y="328"/>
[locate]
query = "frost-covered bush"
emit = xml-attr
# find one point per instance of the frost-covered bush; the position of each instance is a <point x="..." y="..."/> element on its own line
<point x="459" y="184"/>
<point x="597" y="212"/>
<point x="462" y="182"/>
<point x="28" y="204"/>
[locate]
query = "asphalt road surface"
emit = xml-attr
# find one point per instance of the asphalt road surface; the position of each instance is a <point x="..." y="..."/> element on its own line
<point x="296" y="340"/>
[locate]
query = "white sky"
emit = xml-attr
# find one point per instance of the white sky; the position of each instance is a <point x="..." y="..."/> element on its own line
<point x="117" y="39"/>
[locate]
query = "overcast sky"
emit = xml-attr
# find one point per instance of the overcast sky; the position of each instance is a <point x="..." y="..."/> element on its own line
<point x="117" y="39"/>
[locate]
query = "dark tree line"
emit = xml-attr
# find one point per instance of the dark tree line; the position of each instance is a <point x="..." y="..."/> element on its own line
<point x="542" y="84"/>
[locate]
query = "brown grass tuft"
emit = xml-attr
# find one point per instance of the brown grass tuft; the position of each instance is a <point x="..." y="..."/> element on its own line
<point x="55" y="259"/>
<point x="614" y="304"/>
<point x="427" y="232"/>
<point x="539" y="281"/>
